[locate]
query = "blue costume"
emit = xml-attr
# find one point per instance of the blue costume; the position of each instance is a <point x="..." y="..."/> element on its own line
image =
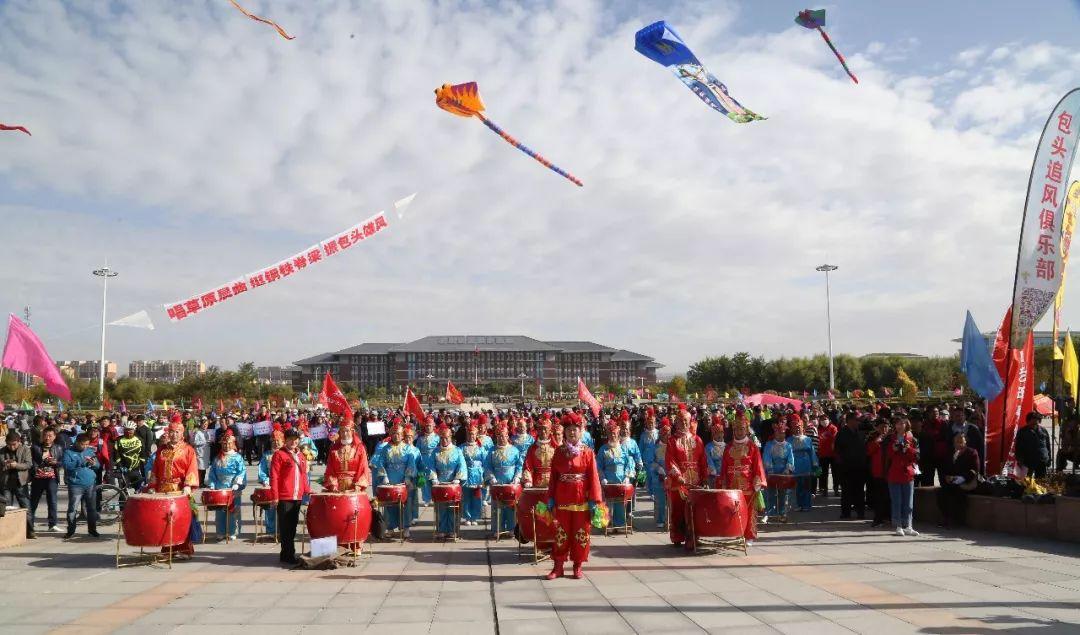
<point x="659" y="492"/>
<point x="395" y="465"/>
<point x="447" y="465"/>
<point x="426" y="444"/>
<point x="270" y="513"/>
<point x="228" y="472"/>
<point x="523" y="442"/>
<point x="503" y="466"/>
<point x="714" y="455"/>
<point x="647" y="443"/>
<point x="475" y="456"/>
<point x="615" y="465"/>
<point x="778" y="459"/>
<point x="806" y="465"/>
<point x="587" y="439"/>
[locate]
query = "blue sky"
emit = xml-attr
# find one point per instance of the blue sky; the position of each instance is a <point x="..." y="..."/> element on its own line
<point x="189" y="145"/>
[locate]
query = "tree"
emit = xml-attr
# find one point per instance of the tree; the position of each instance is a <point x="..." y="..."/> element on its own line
<point x="677" y="386"/>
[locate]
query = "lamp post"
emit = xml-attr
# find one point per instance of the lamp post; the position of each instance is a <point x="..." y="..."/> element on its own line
<point x="105" y="273"/>
<point x="429" y="377"/>
<point x="828" y="320"/>
<point x="522" y="377"/>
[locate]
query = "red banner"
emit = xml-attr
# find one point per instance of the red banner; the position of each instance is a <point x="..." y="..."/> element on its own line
<point x="584" y="395"/>
<point x="453" y="395"/>
<point x="1006" y="413"/>
<point x="334" y="399"/>
<point x="413" y="407"/>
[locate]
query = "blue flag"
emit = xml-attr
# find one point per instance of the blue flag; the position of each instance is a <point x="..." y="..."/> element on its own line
<point x="149" y="405"/>
<point x="977" y="364"/>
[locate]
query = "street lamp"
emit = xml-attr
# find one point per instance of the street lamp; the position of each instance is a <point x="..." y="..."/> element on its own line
<point x="105" y="273"/>
<point x="828" y="320"/>
<point x="429" y="377"/>
<point x="522" y="377"/>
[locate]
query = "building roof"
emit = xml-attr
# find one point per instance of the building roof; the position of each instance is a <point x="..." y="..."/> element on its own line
<point x="322" y="358"/>
<point x="445" y="343"/>
<point x="371" y="348"/>
<point x="581" y="347"/>
<point x="628" y="356"/>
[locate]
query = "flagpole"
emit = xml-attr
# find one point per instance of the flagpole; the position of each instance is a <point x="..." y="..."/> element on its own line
<point x="104" y="273"/>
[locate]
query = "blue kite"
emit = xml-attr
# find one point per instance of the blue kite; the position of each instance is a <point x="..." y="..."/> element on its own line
<point x="660" y="43"/>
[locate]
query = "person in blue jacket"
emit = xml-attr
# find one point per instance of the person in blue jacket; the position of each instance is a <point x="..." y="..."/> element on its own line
<point x="446" y="466"/>
<point x="503" y="467"/>
<point x="80" y="477"/>
<point x="648" y="442"/>
<point x="778" y="459"/>
<point x="426" y="444"/>
<point x="806" y="465"/>
<point x="277" y="441"/>
<point x="475" y="455"/>
<point x="714" y="452"/>
<point x="228" y="471"/>
<point x="395" y="464"/>
<point x="615" y="466"/>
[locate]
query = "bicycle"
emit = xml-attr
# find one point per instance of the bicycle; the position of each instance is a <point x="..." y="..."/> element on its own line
<point x="112" y="493"/>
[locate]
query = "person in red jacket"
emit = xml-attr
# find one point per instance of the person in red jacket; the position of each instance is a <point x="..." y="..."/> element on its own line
<point x="573" y="492"/>
<point x="875" y="452"/>
<point x="289" y="485"/>
<point x="346" y="463"/>
<point x="686" y="468"/>
<point x="827" y="456"/>
<point x="901" y="458"/>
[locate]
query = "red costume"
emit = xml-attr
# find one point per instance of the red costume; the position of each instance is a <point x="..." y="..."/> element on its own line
<point x="346" y="467"/>
<point x="538" y="463"/>
<point x="686" y="468"/>
<point x="743" y="470"/>
<point x="574" y="483"/>
<point x="175" y="467"/>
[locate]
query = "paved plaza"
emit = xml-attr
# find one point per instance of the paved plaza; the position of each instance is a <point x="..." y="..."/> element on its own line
<point x="817" y="576"/>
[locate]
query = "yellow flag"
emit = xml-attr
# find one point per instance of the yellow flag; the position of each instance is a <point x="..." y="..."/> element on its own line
<point x="1068" y="223"/>
<point x="907" y="387"/>
<point x="1070" y="369"/>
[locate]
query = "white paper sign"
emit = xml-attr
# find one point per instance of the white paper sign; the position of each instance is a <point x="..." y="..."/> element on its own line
<point x="375" y="428"/>
<point x="319" y="432"/>
<point x="263" y="427"/>
<point x="246" y="430"/>
<point x="323" y="547"/>
<point x="211" y="434"/>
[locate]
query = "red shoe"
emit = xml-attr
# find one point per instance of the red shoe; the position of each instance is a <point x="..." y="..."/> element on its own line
<point x="556" y="571"/>
<point x="577" y="571"/>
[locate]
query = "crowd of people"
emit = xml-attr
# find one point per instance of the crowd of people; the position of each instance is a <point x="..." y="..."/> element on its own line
<point x="782" y="460"/>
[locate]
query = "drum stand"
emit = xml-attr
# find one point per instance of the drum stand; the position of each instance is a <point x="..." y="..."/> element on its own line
<point x="228" y="517"/>
<point x="539" y="554"/>
<point x="456" y="507"/>
<point x="628" y="518"/>
<point x="497" y="510"/>
<point x="258" y="514"/>
<point x="401" y="516"/>
<point x="788" y="494"/>
<point x="717" y="542"/>
<point x="143" y="558"/>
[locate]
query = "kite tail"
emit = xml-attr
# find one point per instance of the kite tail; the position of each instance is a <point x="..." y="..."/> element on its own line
<point x="520" y="146"/>
<point x="14" y="128"/>
<point x="838" y="55"/>
<point x="280" y="30"/>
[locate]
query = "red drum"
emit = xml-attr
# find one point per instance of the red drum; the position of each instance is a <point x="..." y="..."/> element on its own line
<point x="391" y="494"/>
<point x="545" y="533"/>
<point x="619" y="491"/>
<point x="506" y="494"/>
<point x="446" y="493"/>
<point x="718" y="513"/>
<point x="715" y="481"/>
<point x="346" y="515"/>
<point x="263" y="496"/>
<point x="217" y="497"/>
<point x="781" y="481"/>
<point x="146" y="519"/>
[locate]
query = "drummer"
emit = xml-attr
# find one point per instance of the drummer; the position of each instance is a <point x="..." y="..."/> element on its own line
<point x="395" y="464"/>
<point x="412" y="508"/>
<point x="779" y="459"/>
<point x="686" y="468"/>
<point x="503" y="467"/>
<point x="714" y="451"/>
<point x="346" y="463"/>
<point x="521" y="438"/>
<point x="426" y="444"/>
<point x="475" y="456"/>
<point x="446" y="466"/>
<point x="537" y="469"/>
<point x="175" y="469"/>
<point x="616" y="466"/>
<point x="742" y="469"/>
<point x="573" y="493"/>
<point x="806" y="464"/>
<point x="228" y="471"/>
<point x="277" y="441"/>
<point x="658" y="473"/>
<point x="632" y="449"/>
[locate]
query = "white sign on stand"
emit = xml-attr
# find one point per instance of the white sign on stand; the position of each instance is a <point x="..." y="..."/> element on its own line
<point x="375" y="428"/>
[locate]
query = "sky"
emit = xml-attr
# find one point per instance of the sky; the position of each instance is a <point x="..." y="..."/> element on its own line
<point x="186" y="145"/>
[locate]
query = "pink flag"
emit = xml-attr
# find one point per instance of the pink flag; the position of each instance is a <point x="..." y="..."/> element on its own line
<point x="25" y="353"/>
<point x="584" y="395"/>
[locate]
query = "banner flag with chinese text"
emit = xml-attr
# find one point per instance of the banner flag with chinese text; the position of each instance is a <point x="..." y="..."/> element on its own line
<point x="587" y="397"/>
<point x="1068" y="222"/>
<point x="334" y="399"/>
<point x="1039" y="259"/>
<point x="1011" y="406"/>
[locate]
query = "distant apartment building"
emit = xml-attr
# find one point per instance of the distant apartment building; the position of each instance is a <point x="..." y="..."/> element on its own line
<point x="86" y="368"/>
<point x="166" y="370"/>
<point x="277" y="374"/>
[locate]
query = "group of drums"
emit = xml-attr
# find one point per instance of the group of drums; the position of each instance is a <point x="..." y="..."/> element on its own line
<point x="164" y="520"/>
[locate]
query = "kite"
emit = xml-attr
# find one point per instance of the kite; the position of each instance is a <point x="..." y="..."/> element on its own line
<point x="263" y="20"/>
<point x="660" y="43"/>
<point x="464" y="100"/>
<point x="20" y="128"/>
<point x="815" y="19"/>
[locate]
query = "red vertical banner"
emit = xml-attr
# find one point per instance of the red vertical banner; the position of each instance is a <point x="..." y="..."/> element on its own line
<point x="1006" y="413"/>
<point x="586" y="396"/>
<point x="413" y="407"/>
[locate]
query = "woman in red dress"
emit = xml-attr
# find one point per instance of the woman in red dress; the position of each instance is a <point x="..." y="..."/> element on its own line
<point x="742" y="469"/>
<point x="573" y="492"/>
<point x="346" y="463"/>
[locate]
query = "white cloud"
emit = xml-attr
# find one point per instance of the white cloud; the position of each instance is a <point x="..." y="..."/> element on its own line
<point x="215" y="147"/>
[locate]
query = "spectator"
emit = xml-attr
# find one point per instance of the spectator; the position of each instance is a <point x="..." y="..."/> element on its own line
<point x="15" y="459"/>
<point x="81" y="467"/>
<point x="827" y="457"/>
<point x="926" y="436"/>
<point x="128" y="452"/>
<point x="851" y="461"/>
<point x="901" y="460"/>
<point x="959" y="475"/>
<point x="1070" y="443"/>
<point x="47" y="457"/>
<point x="959" y="425"/>
<point x="146" y="436"/>
<point x="875" y="452"/>
<point x="1033" y="446"/>
<point x="200" y="440"/>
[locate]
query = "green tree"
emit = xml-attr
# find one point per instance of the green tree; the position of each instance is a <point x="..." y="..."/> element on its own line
<point x="677" y="386"/>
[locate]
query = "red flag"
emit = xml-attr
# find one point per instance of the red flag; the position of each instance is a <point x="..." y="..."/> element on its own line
<point x="198" y="404"/>
<point x="334" y="399"/>
<point x="220" y="406"/>
<point x="106" y="404"/>
<point x="583" y="394"/>
<point x="1006" y="413"/>
<point x="710" y="394"/>
<point x="413" y="407"/>
<point x="453" y="395"/>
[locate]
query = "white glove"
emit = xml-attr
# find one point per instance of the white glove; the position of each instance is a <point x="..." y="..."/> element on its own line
<point x="434" y="480"/>
<point x="187" y="490"/>
<point x="603" y="481"/>
<point x="235" y="487"/>
<point x="492" y="481"/>
<point x="517" y="480"/>
<point x="457" y="482"/>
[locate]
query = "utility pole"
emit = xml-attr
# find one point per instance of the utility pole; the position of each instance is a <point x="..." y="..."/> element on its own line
<point x="826" y="268"/>
<point x="104" y="273"/>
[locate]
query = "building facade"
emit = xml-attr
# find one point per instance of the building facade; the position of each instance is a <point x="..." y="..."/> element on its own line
<point x="283" y="375"/>
<point x="86" y="368"/>
<point x="479" y="359"/>
<point x="167" y="370"/>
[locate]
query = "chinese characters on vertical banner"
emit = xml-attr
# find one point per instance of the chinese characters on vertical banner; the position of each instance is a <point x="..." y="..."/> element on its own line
<point x="1039" y="263"/>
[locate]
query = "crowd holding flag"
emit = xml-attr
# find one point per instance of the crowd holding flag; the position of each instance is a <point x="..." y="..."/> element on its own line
<point x="453" y="395"/>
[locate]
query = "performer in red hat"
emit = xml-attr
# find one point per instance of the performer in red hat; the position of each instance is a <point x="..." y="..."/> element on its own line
<point x="686" y="469"/>
<point x="347" y="463"/>
<point x="538" y="459"/>
<point x="573" y="492"/>
<point x="176" y="469"/>
<point x="743" y="470"/>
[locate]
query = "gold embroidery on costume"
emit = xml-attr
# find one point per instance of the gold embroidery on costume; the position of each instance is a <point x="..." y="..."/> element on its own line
<point x="560" y="536"/>
<point x="582" y="537"/>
